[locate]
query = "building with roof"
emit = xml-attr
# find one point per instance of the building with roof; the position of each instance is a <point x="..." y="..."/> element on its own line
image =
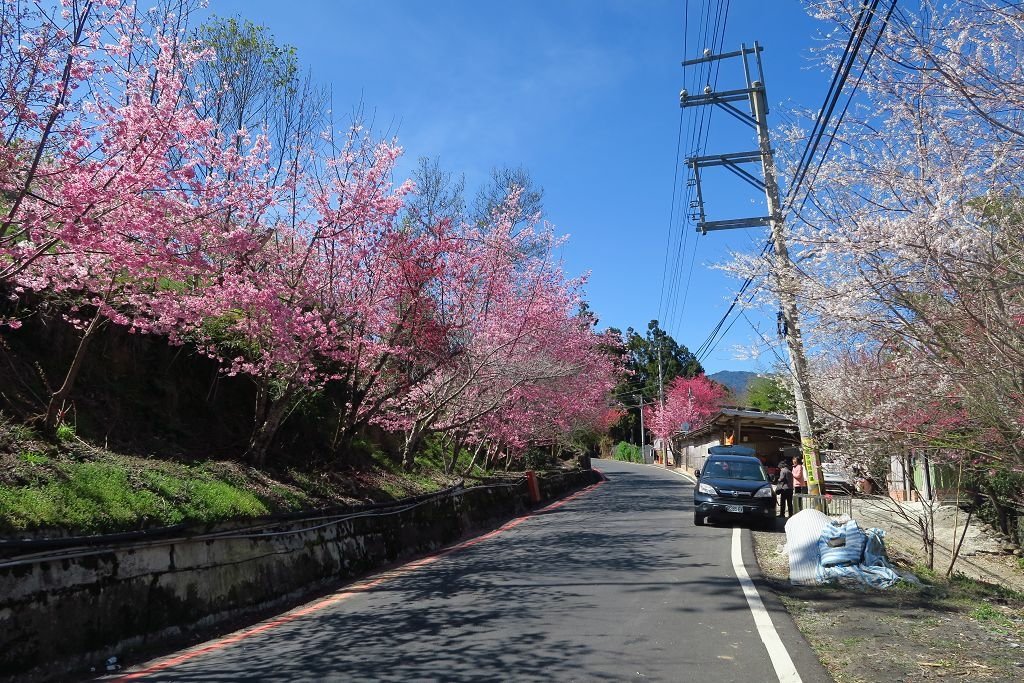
<point x="774" y="435"/>
<point x="771" y="435"/>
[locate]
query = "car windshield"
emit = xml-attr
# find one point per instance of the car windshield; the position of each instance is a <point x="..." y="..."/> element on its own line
<point x="725" y="469"/>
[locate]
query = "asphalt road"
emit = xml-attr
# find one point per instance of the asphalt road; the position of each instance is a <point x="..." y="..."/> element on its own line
<point x="614" y="585"/>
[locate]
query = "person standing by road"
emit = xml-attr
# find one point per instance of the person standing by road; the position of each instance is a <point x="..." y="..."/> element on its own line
<point x="799" y="479"/>
<point x="785" y="488"/>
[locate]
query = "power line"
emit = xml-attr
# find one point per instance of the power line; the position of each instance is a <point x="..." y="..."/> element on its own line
<point x="699" y="133"/>
<point x="702" y="150"/>
<point x="866" y="13"/>
<point x="675" y="180"/>
<point x="849" y="99"/>
<point x="831" y="98"/>
<point x="671" y="214"/>
<point x="835" y="91"/>
<point x="709" y="344"/>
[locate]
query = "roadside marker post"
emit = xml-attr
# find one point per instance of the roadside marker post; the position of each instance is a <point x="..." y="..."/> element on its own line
<point x="533" y="485"/>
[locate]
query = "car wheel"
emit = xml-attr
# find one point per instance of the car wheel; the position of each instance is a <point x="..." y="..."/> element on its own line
<point x="698" y="519"/>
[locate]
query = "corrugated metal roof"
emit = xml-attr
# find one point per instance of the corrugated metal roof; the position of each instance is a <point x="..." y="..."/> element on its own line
<point x="749" y="417"/>
<point x="740" y="412"/>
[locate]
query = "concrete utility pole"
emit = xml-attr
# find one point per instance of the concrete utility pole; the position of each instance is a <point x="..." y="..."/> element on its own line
<point x="785" y="275"/>
<point x="640" y="398"/>
<point x="661" y="405"/>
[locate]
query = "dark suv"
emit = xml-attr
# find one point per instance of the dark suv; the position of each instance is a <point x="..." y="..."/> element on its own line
<point x="733" y="485"/>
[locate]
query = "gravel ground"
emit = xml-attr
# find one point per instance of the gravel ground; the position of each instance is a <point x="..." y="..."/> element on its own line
<point x="984" y="555"/>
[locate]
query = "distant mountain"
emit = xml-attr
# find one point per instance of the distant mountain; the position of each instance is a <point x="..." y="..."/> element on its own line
<point x="736" y="380"/>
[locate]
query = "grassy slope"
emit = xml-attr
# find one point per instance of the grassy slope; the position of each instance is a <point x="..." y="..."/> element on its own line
<point x="76" y="488"/>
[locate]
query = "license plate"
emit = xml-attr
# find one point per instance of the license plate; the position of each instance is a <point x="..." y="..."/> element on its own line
<point x="734" y="508"/>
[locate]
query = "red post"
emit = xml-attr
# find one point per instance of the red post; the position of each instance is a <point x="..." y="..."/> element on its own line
<point x="533" y="486"/>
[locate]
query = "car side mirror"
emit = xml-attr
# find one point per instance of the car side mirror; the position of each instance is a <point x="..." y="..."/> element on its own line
<point x="696" y="473"/>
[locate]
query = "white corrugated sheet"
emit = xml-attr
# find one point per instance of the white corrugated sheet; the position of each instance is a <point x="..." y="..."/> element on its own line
<point x="802" y="533"/>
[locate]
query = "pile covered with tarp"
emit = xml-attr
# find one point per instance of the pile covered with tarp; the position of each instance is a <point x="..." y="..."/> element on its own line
<point x="822" y="550"/>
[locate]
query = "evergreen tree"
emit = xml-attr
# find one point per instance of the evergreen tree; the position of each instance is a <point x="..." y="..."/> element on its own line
<point x="642" y="357"/>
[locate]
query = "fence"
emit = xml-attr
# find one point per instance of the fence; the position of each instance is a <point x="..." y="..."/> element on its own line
<point x="833" y="506"/>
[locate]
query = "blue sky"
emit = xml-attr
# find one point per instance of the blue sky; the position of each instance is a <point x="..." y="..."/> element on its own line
<point x="582" y="93"/>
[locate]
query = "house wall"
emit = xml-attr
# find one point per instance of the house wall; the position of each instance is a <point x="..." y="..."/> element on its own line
<point x="767" y="449"/>
<point x="899" y="485"/>
<point x="913" y="485"/>
<point x="693" y="455"/>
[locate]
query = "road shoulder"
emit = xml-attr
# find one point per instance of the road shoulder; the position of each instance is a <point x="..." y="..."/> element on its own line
<point x="958" y="629"/>
<point x="800" y="649"/>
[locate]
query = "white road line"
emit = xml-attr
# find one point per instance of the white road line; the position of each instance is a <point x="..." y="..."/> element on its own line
<point x="777" y="652"/>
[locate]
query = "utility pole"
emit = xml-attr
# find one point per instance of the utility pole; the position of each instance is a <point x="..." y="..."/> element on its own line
<point x="661" y="403"/>
<point x="640" y="398"/>
<point x="784" y="272"/>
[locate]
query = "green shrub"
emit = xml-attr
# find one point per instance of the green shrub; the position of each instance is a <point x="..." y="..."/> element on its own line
<point x="435" y="454"/>
<point x="539" y="459"/>
<point x="627" y="452"/>
<point x="165" y="485"/>
<point x="210" y="501"/>
<point x="93" y="496"/>
<point x="14" y="434"/>
<point x="392" y="489"/>
<point x="291" y="497"/>
<point x="65" y="432"/>
<point x="33" y="458"/>
<point x="100" y="496"/>
<point x="24" y="508"/>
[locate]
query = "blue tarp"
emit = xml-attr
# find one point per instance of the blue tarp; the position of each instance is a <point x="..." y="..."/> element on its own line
<point x="861" y="552"/>
<point x="841" y="544"/>
<point x="873" y="567"/>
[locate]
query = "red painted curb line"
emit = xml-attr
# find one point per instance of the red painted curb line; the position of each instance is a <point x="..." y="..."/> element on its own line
<point x="349" y="591"/>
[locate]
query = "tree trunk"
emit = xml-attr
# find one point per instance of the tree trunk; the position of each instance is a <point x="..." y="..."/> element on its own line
<point x="956" y="519"/>
<point x="926" y="523"/>
<point x="472" y="462"/>
<point x="412" y="442"/>
<point x="265" y="431"/>
<point x="344" y="436"/>
<point x="55" y="407"/>
<point x="449" y="465"/>
<point x="490" y="456"/>
<point x="341" y="436"/>
<point x="960" y="544"/>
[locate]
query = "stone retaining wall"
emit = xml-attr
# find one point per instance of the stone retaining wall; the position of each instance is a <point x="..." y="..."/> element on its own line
<point x="60" y="616"/>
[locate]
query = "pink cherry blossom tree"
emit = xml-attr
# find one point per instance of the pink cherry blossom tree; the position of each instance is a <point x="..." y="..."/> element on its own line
<point x="105" y="208"/>
<point x="336" y="295"/>
<point x="126" y="199"/>
<point x="506" y="308"/>
<point x="689" y="402"/>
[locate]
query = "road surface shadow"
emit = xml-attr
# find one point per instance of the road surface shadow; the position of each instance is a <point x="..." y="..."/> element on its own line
<point x="510" y="608"/>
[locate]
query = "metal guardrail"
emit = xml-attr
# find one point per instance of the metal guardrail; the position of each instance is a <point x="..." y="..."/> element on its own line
<point x="831" y="505"/>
